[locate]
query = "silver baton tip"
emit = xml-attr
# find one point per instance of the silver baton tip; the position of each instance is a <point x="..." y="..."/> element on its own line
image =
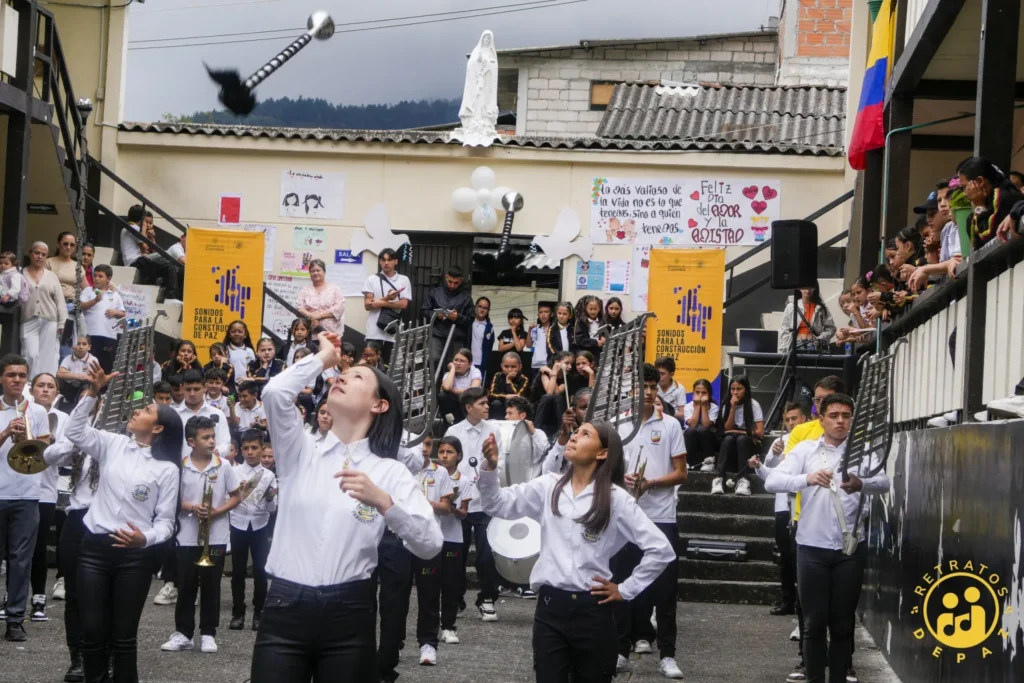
<point x="321" y="24"/>
<point x="513" y="201"/>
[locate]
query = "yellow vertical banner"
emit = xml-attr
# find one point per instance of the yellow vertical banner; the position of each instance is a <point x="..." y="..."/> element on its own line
<point x="223" y="283"/>
<point x="686" y="292"/>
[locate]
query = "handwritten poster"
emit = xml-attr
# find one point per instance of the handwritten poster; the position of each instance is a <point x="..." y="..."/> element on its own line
<point x="683" y="211"/>
<point x="641" y="274"/>
<point x="590" y="275"/>
<point x="269" y="242"/>
<point x="139" y="301"/>
<point x="275" y="316"/>
<point x="304" y="237"/>
<point x="297" y="262"/>
<point x="312" y="194"/>
<point x="616" y="278"/>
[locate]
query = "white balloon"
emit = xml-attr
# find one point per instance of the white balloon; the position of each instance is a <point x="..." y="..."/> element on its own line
<point x="495" y="199"/>
<point x="484" y="196"/>
<point x="483" y="178"/>
<point x="484" y="218"/>
<point x="465" y="199"/>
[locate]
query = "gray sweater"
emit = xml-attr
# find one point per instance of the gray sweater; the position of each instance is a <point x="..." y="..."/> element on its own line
<point x="46" y="300"/>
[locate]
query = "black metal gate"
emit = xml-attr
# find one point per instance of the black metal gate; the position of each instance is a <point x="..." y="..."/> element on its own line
<point x="433" y="254"/>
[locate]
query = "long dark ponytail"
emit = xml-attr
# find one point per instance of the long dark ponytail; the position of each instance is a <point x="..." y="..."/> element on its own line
<point x="166" y="446"/>
<point x="610" y="472"/>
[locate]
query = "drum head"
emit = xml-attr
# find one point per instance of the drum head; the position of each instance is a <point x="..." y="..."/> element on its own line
<point x="515" y="544"/>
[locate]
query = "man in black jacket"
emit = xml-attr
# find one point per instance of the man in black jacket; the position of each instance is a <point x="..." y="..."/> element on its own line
<point x="452" y="306"/>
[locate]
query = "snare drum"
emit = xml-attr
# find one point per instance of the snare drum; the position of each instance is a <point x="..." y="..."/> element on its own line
<point x="515" y="544"/>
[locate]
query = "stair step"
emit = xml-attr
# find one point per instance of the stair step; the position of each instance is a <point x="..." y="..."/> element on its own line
<point x="758" y="548"/>
<point x="729" y="592"/>
<point x="704" y="501"/>
<point x="701" y="481"/>
<point x="761" y="526"/>
<point x="711" y="570"/>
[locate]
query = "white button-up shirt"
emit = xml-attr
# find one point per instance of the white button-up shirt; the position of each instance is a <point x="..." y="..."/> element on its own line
<point x="554" y="462"/>
<point x="255" y="509"/>
<point x="451" y="526"/>
<point x="819" y="526"/>
<point x="570" y="555"/>
<point x="675" y="395"/>
<point x="659" y="442"/>
<point x="80" y="366"/>
<point x="14" y="485"/>
<point x="221" y="432"/>
<point x="62" y="454"/>
<point x="436" y="483"/>
<point x="225" y="481"/>
<point x="472" y="438"/>
<point x="323" y="536"/>
<point x="96" y="320"/>
<point x="134" y="487"/>
<point x="48" y="480"/>
<point x="247" y="417"/>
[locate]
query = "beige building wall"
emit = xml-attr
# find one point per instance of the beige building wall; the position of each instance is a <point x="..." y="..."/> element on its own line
<point x="186" y="174"/>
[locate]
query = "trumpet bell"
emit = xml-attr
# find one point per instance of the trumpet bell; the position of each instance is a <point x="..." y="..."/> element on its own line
<point x="26" y="457"/>
<point x="204" y="561"/>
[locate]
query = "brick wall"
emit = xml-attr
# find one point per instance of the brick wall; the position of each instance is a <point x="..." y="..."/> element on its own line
<point x="815" y="40"/>
<point x="558" y="94"/>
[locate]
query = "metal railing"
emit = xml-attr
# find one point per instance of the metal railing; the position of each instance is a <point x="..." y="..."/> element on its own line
<point x="731" y="299"/>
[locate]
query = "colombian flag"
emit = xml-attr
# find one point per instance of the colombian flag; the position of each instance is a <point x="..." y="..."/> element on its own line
<point x="869" y="128"/>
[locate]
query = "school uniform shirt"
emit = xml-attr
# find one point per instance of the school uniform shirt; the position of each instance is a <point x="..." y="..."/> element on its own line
<point x="380" y="285"/>
<point x="49" y="476"/>
<point x="221" y="404"/>
<point x="225" y="481"/>
<point x="257" y="371"/>
<point x="240" y="357"/>
<point x="465" y="381"/>
<point x="412" y="458"/>
<point x="221" y="431"/>
<point x="472" y="438"/>
<point x="539" y="347"/>
<point x="14" y="485"/>
<point x="130" y="250"/>
<point x="61" y="454"/>
<point x="134" y="487"/>
<point x="435" y="483"/>
<point x="255" y="509"/>
<point x="562" y="338"/>
<point x="771" y="461"/>
<point x="675" y="395"/>
<point x="502" y="388"/>
<point x="659" y="441"/>
<point x="819" y="525"/>
<point x="229" y="370"/>
<point x="508" y="336"/>
<point x="949" y="242"/>
<point x="324" y="536"/>
<point x="96" y="320"/>
<point x="554" y="460"/>
<point x="451" y="526"/>
<point x="740" y="421"/>
<point x="570" y="554"/>
<point x="481" y="342"/>
<point x="689" y="409"/>
<point x="158" y="372"/>
<point x="78" y="366"/>
<point x="247" y="417"/>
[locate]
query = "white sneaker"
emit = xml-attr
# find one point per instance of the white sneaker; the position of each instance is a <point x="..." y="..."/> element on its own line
<point x="487" y="612"/>
<point x="708" y="465"/>
<point x="428" y="655"/>
<point x="743" y="487"/>
<point x="642" y="647"/>
<point x="654" y="620"/>
<point x="449" y="637"/>
<point x="982" y="416"/>
<point x="207" y="644"/>
<point x="716" y="486"/>
<point x="58" y="589"/>
<point x="939" y="422"/>
<point x="669" y="668"/>
<point x="795" y="635"/>
<point x="622" y="665"/>
<point x="178" y="643"/>
<point x="1012" y="405"/>
<point x="168" y="595"/>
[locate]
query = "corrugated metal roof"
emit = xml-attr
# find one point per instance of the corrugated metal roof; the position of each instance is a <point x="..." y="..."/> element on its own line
<point x="613" y="42"/>
<point x="566" y="142"/>
<point x="769" y="119"/>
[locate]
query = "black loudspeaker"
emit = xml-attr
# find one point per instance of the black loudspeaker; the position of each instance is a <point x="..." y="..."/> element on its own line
<point x="794" y="254"/>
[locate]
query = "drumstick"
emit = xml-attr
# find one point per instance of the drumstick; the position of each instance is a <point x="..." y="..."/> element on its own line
<point x="565" y="380"/>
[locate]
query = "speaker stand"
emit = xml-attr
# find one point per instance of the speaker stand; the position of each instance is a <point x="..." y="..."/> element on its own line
<point x="789" y="386"/>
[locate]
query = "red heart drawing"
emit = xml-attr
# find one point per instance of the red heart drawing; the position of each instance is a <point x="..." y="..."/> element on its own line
<point x="769" y="193"/>
<point x="621" y="234"/>
<point x="692" y="223"/>
<point x="750" y="192"/>
<point x="695" y="196"/>
<point x="758" y="207"/>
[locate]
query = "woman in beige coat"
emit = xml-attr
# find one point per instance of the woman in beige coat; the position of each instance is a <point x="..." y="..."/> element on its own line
<point x="43" y="315"/>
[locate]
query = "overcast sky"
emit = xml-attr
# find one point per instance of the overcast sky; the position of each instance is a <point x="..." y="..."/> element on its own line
<point x="425" y="60"/>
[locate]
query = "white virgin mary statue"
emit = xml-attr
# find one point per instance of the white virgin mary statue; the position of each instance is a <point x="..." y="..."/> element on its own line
<point x="479" y="112"/>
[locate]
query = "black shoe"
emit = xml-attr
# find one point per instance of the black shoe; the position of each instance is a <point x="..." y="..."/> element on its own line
<point x="783" y="610"/>
<point x="255" y="622"/>
<point x="16" y="633"/>
<point x="237" y="623"/>
<point x="75" y="673"/>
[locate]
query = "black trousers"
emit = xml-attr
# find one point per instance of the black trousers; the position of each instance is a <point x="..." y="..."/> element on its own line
<point x="787" y="557"/>
<point x="19" y="523"/>
<point x="829" y="585"/>
<point x="160" y="272"/>
<point x="112" y="588"/>
<point x="255" y="542"/>
<point x="105" y="350"/>
<point x="316" y="633"/>
<point x="474" y="528"/>
<point x="453" y="582"/>
<point x="497" y="409"/>
<point x="46" y="513"/>
<point x="167" y="561"/>
<point x="735" y="451"/>
<point x="429" y="581"/>
<point x="573" y="638"/>
<point x="67" y="558"/>
<point x="204" y="581"/>
<point x="700" y="443"/>
<point x="394" y="572"/>
<point x="633" y="619"/>
<point x="449" y="405"/>
<point x="386" y="354"/>
<point x="59" y="518"/>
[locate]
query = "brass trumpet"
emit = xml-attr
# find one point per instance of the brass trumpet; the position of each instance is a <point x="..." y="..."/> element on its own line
<point x="204" y="528"/>
<point x="638" y="471"/>
<point x="26" y="456"/>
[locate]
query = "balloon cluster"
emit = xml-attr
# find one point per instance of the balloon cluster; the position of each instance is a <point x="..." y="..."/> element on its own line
<point x="483" y="199"/>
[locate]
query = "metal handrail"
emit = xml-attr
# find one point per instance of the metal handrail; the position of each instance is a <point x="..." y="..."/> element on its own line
<point x="135" y="193"/>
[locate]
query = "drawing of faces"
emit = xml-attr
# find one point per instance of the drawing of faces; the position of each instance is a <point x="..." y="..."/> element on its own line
<point x="290" y="199"/>
<point x="312" y="201"/>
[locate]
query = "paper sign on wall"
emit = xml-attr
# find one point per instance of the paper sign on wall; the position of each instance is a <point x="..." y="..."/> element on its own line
<point x="275" y="316"/>
<point x="269" y="242"/>
<point x="230" y="212"/>
<point x="311" y="194"/>
<point x="296" y="263"/>
<point x="683" y="211"/>
<point x="616" y="277"/>
<point x="641" y="274"/>
<point x="590" y="275"/>
<point x="139" y="301"/>
<point x="304" y="237"/>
